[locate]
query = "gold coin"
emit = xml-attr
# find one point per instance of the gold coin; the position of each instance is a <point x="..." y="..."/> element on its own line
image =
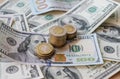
<point x="57" y="36"/>
<point x="44" y="50"/>
<point x="57" y="31"/>
<point x="71" y="31"/>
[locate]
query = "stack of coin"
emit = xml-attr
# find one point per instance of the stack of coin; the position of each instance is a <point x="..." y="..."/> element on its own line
<point x="57" y="36"/>
<point x="71" y="31"/>
<point x="44" y="50"/>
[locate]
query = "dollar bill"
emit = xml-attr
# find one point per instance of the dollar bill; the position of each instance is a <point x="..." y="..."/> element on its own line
<point x="12" y="70"/>
<point x="7" y="19"/>
<point x="20" y="47"/>
<point x="103" y="71"/>
<point x="20" y="23"/>
<point x="109" y="38"/>
<point x="37" y="20"/>
<point x="39" y="7"/>
<point x="86" y="16"/>
<point x="17" y="6"/>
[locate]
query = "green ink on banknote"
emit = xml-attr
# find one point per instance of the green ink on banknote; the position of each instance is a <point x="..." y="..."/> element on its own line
<point x="92" y="9"/>
<point x="21" y="4"/>
<point x="49" y="17"/>
<point x="74" y="48"/>
<point x="85" y="59"/>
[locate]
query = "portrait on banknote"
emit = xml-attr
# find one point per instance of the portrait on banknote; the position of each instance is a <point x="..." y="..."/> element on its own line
<point x="109" y="32"/>
<point x="78" y="21"/>
<point x="26" y="50"/>
<point x="60" y="72"/>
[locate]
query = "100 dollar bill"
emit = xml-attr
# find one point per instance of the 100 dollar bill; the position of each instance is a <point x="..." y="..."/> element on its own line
<point x="37" y="20"/>
<point x="86" y="16"/>
<point x="109" y="37"/>
<point x="42" y="6"/>
<point x="20" y="46"/>
<point x="103" y="71"/>
<point x="17" y="6"/>
<point x="12" y="70"/>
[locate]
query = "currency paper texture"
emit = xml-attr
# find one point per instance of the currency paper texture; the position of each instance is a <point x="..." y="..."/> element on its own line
<point x="43" y="6"/>
<point x="12" y="70"/>
<point x="20" y="46"/>
<point x="37" y="20"/>
<point x="86" y="16"/>
<point x="103" y="71"/>
<point x="109" y="37"/>
<point x="17" y="6"/>
<point x="20" y="23"/>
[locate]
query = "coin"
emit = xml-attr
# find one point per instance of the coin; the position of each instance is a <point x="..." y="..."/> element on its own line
<point x="44" y="50"/>
<point x="57" y="36"/>
<point x="71" y="31"/>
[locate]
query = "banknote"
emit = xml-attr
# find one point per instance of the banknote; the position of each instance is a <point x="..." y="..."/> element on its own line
<point x="103" y="71"/>
<point x="20" y="47"/>
<point x="18" y="6"/>
<point x="20" y="23"/>
<point x="37" y="20"/>
<point x="7" y="19"/>
<point x="109" y="38"/>
<point x="43" y="6"/>
<point x="12" y="70"/>
<point x="85" y="18"/>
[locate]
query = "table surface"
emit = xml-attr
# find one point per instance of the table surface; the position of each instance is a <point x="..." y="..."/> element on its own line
<point x="116" y="76"/>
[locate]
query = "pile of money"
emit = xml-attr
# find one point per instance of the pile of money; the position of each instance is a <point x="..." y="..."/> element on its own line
<point x="88" y="49"/>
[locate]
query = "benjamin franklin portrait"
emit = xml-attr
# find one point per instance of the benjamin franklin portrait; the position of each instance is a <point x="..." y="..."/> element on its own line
<point x="78" y="21"/>
<point x="61" y="72"/>
<point x="109" y="32"/>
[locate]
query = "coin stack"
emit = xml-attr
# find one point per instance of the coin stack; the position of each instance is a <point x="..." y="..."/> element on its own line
<point x="71" y="31"/>
<point x="44" y="50"/>
<point x="57" y="36"/>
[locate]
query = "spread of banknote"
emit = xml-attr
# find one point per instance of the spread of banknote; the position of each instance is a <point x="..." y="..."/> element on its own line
<point x="85" y="18"/>
<point x="25" y="23"/>
<point x="42" y="6"/>
<point x="74" y="53"/>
